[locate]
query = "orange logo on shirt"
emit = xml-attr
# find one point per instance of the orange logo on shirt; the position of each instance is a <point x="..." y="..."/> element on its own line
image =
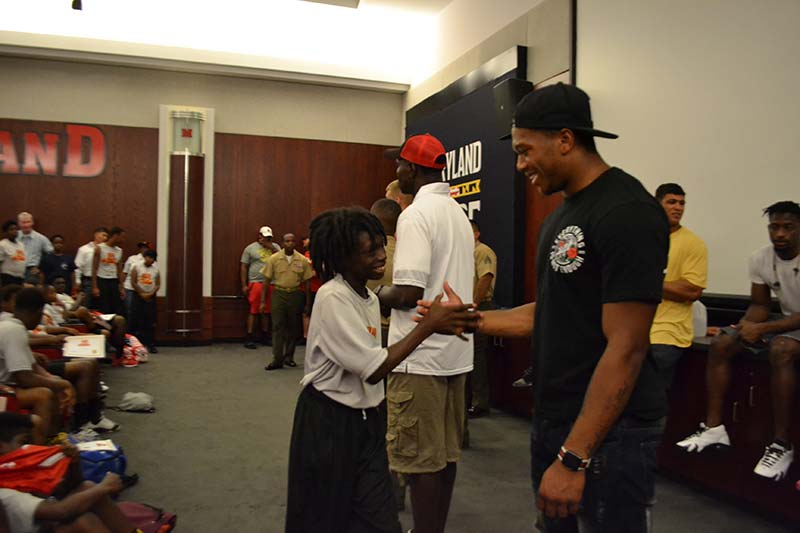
<point x="19" y="256"/>
<point x="109" y="259"/>
<point x="146" y="279"/>
<point x="372" y="331"/>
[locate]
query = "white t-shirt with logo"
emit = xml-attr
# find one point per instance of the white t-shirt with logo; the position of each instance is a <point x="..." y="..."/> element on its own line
<point x="146" y="276"/>
<point x="435" y="243"/>
<point x="12" y="258"/>
<point x="126" y="268"/>
<point x="782" y="277"/>
<point x="344" y="345"/>
<point x="109" y="259"/>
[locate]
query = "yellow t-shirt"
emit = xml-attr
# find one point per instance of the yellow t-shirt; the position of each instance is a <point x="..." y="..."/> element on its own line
<point x="688" y="260"/>
<point x="485" y="263"/>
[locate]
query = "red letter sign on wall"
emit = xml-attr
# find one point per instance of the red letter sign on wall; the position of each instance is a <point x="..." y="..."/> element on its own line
<point x="9" y="164"/>
<point x="41" y="160"/>
<point x="75" y="166"/>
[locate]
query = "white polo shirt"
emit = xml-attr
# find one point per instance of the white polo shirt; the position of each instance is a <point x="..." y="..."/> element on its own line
<point x="435" y="244"/>
<point x="344" y="345"/>
<point x="84" y="259"/>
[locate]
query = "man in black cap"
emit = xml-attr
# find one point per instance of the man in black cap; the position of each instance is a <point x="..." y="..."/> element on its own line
<point x="600" y="267"/>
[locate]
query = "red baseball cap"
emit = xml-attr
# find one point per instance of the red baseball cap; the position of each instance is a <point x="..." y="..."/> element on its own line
<point x="424" y="150"/>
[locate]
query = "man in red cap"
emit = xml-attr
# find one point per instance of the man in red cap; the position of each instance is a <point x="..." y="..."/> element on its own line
<point x="425" y="393"/>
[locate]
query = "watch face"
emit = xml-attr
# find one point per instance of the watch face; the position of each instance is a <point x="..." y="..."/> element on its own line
<point x="571" y="461"/>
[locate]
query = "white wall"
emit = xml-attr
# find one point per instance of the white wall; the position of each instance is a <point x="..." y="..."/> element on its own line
<point x="80" y="92"/>
<point x="703" y="94"/>
<point x="472" y="32"/>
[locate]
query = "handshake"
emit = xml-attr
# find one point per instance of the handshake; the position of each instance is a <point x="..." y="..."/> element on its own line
<point x="451" y="317"/>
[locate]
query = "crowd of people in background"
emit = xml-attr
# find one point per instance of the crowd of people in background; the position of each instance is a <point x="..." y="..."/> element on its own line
<point x="48" y="296"/>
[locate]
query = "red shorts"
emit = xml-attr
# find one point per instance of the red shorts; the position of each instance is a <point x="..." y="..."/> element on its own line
<point x="254" y="297"/>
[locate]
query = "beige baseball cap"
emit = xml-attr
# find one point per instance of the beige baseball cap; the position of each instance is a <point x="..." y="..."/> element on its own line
<point x="265" y="231"/>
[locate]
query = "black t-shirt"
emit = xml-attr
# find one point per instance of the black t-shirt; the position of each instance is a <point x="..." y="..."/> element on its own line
<point x="53" y="266"/>
<point x="607" y="243"/>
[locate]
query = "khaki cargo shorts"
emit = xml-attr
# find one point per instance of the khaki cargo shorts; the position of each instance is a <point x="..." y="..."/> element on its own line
<point x="425" y="422"/>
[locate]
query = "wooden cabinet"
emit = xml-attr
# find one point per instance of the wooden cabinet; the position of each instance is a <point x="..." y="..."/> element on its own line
<point x="748" y="419"/>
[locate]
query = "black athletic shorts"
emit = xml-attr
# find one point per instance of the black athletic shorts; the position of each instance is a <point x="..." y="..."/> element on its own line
<point x="339" y="479"/>
<point x="58" y="368"/>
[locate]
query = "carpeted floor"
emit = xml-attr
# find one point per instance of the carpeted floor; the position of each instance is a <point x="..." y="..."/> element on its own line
<point x="216" y="453"/>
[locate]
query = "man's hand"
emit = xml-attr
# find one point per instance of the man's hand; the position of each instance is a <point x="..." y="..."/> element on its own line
<point x="750" y="332"/>
<point x="112" y="483"/>
<point x="96" y="291"/>
<point x="307" y="310"/>
<point x="560" y="491"/>
<point x="122" y="294"/>
<point x="71" y="451"/>
<point x="71" y="331"/>
<point x="245" y="289"/>
<point x="453" y="300"/>
<point x="66" y="396"/>
<point x="61" y="339"/>
<point x="41" y="359"/>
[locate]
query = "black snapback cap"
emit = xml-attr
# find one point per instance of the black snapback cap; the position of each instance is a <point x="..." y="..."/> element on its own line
<point x="558" y="106"/>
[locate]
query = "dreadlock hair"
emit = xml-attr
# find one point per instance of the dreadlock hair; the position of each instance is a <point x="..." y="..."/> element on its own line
<point x="335" y="235"/>
<point x="787" y="207"/>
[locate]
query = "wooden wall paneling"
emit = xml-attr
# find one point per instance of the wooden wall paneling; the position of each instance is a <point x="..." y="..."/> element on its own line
<point x="282" y="183"/>
<point x="125" y="194"/>
<point x="537" y="207"/>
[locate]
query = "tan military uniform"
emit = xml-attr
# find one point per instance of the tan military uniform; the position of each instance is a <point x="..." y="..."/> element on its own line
<point x="485" y="263"/>
<point x="386" y="281"/>
<point x="478" y="389"/>
<point x="288" y="275"/>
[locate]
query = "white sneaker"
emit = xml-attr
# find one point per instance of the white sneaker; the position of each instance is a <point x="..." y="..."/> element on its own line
<point x="104" y="387"/>
<point x="85" y="434"/>
<point x="775" y="462"/>
<point x="704" y="437"/>
<point x="104" y="425"/>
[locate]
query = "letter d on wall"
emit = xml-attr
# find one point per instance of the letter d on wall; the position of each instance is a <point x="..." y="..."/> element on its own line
<point x="86" y="152"/>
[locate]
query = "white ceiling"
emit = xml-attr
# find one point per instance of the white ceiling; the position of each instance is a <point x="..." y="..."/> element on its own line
<point x="427" y="6"/>
<point x="372" y="42"/>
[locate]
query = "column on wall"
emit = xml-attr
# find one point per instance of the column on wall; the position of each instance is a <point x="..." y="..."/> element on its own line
<point x="184" y="224"/>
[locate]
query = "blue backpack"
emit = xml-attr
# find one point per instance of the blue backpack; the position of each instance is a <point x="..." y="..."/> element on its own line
<point x="95" y="464"/>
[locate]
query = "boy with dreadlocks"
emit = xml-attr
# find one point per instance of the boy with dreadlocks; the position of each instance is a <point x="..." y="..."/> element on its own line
<point x="338" y="469"/>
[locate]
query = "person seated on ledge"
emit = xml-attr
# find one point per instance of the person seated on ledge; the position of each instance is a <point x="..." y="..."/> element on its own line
<point x="75" y="506"/>
<point x="76" y="383"/>
<point x="773" y="268"/>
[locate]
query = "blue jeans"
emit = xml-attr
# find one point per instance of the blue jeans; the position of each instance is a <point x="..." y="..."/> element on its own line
<point x="620" y="482"/>
<point x="666" y="357"/>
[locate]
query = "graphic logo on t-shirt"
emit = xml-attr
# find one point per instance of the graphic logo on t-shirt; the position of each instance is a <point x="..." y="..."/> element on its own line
<point x="109" y="259"/>
<point x="566" y="254"/>
<point x="18" y="256"/>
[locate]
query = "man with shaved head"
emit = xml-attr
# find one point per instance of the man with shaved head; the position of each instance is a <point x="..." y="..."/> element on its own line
<point x="393" y="192"/>
<point x="290" y="273"/>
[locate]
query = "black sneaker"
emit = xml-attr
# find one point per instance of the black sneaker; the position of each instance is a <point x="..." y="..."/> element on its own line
<point x="273" y="366"/>
<point x="250" y="345"/>
<point x="290" y="363"/>
<point x="153" y="349"/>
